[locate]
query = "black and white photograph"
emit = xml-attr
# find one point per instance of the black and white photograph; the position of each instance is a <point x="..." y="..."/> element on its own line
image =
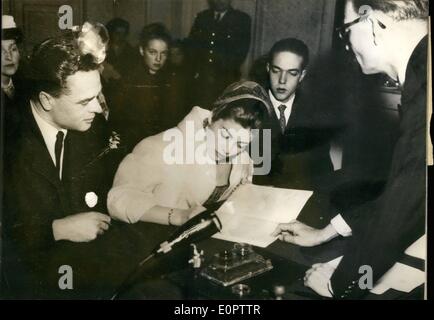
<point x="225" y="150"/>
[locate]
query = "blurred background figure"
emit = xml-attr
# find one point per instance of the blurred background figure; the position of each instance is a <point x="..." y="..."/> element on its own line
<point x="121" y="56"/>
<point x="177" y="54"/>
<point x="220" y="40"/>
<point x="121" y="59"/>
<point x="140" y="101"/>
<point x="181" y="74"/>
<point x="11" y="87"/>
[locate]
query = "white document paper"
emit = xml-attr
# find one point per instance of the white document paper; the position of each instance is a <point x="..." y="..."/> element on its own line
<point x="253" y="212"/>
<point x="418" y="249"/>
<point x="400" y="277"/>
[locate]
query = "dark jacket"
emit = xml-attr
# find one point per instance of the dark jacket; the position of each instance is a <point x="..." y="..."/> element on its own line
<point x="34" y="196"/>
<point x="125" y="60"/>
<point x="222" y="45"/>
<point x="383" y="229"/>
<point x="11" y="112"/>
<point x="217" y="51"/>
<point x="301" y="155"/>
<point x="140" y="107"/>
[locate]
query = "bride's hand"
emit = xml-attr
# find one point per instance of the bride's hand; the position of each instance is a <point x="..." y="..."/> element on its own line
<point x="181" y="216"/>
<point x="247" y="173"/>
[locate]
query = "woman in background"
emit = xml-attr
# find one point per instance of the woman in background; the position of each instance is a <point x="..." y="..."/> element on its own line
<point x="11" y="85"/>
<point x="170" y="177"/>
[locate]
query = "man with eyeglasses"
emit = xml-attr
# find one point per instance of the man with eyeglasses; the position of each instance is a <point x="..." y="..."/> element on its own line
<point x="387" y="37"/>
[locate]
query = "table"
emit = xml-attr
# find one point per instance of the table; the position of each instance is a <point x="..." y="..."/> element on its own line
<point x="100" y="266"/>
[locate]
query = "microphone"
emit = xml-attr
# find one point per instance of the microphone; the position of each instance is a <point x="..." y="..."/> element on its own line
<point x="202" y="226"/>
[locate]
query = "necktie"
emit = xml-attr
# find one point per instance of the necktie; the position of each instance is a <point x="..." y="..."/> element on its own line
<point x="217" y="16"/>
<point x="282" y="119"/>
<point x="58" y="150"/>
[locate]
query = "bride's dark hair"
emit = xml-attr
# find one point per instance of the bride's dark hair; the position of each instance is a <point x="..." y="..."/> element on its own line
<point x="249" y="113"/>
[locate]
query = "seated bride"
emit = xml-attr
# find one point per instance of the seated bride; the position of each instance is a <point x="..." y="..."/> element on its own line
<point x="171" y="176"/>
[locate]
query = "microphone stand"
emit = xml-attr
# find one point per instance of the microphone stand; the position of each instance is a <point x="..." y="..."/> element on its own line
<point x="203" y="225"/>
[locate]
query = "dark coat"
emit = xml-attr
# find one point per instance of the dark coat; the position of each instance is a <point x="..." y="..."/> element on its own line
<point x="125" y="61"/>
<point x="300" y="156"/>
<point x="12" y="112"/>
<point x="34" y="196"/>
<point x="228" y="39"/>
<point x="383" y="229"/>
<point x="218" y="50"/>
<point x="140" y="109"/>
<point x="11" y="115"/>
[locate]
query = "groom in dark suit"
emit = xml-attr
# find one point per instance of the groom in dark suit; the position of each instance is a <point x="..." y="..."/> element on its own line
<point x="55" y="181"/>
<point x="299" y="146"/>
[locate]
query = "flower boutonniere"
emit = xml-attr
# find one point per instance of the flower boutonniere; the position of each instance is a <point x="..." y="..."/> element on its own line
<point x="114" y="140"/>
<point x="114" y="143"/>
<point x="92" y="38"/>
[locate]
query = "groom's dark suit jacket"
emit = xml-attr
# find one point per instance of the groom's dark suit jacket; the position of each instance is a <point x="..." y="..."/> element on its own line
<point x="34" y="196"/>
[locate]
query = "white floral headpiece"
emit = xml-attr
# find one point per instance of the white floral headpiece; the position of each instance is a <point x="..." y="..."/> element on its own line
<point x="92" y="39"/>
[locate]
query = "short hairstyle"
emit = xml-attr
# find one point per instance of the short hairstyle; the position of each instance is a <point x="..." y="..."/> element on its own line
<point x="55" y="59"/>
<point x="155" y="31"/>
<point x="399" y="10"/>
<point x="292" y="45"/>
<point x="249" y="113"/>
<point x="118" y="23"/>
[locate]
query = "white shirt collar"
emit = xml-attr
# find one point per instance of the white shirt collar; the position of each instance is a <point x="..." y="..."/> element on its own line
<point x="49" y="133"/>
<point x="276" y="103"/>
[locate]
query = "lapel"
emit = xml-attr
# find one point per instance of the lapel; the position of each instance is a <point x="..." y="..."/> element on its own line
<point x="226" y="17"/>
<point x="75" y="155"/>
<point x="415" y="73"/>
<point x="34" y="147"/>
<point x="292" y="122"/>
<point x="275" y="123"/>
<point x="68" y="161"/>
<point x="224" y="22"/>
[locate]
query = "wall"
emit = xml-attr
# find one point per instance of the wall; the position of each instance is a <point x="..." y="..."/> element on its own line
<point x="134" y="11"/>
<point x="310" y="20"/>
<point x="39" y="19"/>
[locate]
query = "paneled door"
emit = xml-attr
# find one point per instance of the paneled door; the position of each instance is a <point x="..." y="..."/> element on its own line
<point x="40" y="19"/>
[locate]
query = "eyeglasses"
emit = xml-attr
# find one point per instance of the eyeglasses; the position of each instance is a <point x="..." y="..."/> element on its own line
<point x="343" y="31"/>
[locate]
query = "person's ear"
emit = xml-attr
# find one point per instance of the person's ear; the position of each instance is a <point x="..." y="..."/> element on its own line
<point x="142" y="51"/>
<point x="46" y="100"/>
<point x="303" y="74"/>
<point x="268" y="67"/>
